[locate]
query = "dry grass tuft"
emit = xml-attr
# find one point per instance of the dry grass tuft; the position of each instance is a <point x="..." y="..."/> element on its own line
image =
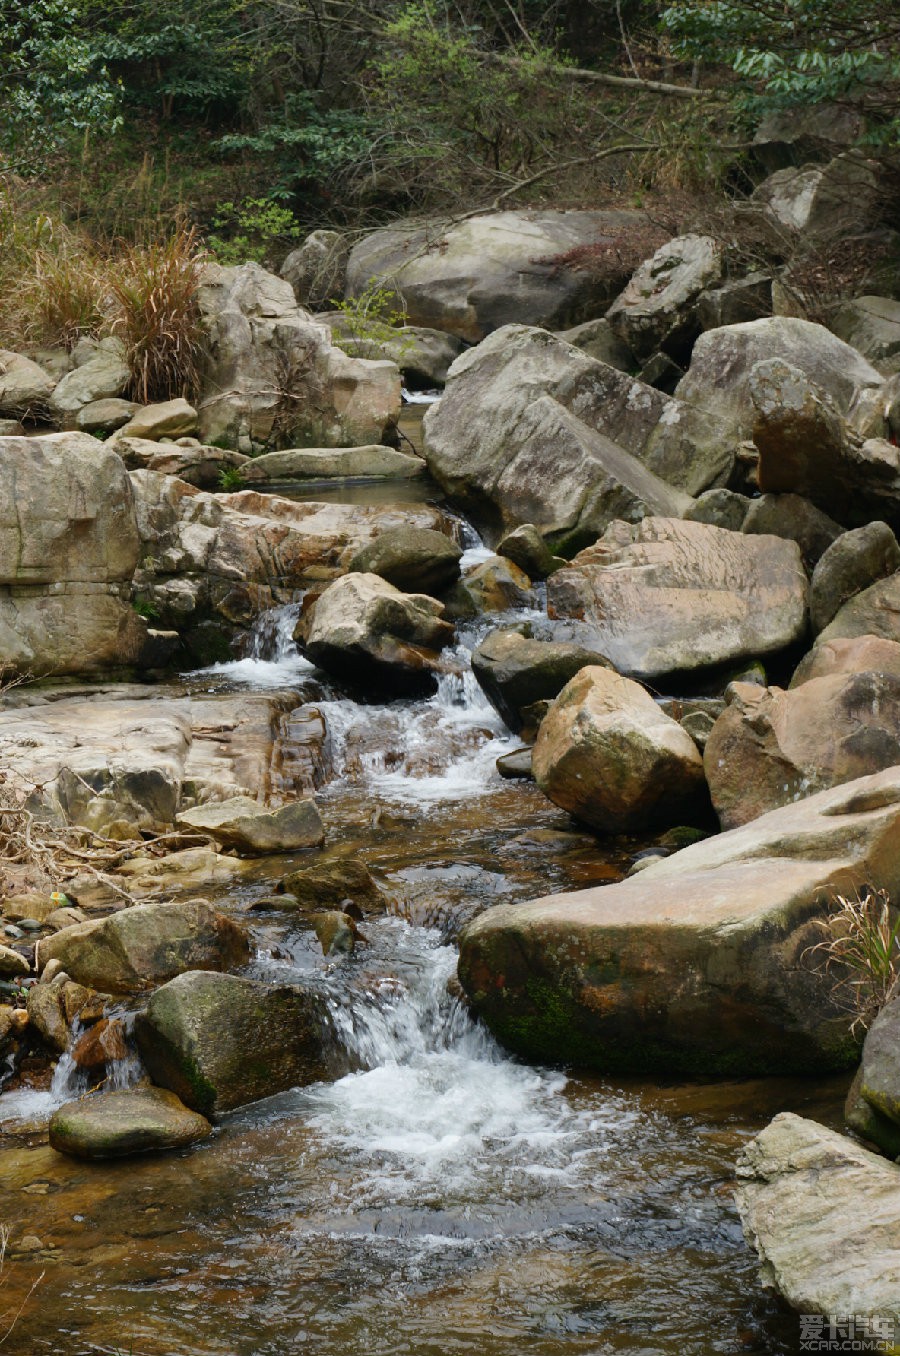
<point x="860" y="953"/>
<point x="154" y="288"/>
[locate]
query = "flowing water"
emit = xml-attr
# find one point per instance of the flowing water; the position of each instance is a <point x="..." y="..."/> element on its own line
<point x="436" y="1197"/>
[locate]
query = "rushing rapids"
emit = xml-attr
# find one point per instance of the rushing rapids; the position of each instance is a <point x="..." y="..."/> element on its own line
<point x="435" y="1195"/>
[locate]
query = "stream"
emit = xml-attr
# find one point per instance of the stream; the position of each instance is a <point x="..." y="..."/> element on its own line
<point x="437" y="1197"/>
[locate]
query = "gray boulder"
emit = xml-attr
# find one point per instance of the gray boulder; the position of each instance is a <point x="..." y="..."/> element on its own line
<point x="273" y="378"/>
<point x="342" y="883"/>
<point x="416" y="560"/>
<point x="68" y="550"/>
<point x="25" y="387"/>
<point x="718" y="379"/>
<point x="658" y="309"/>
<point x="120" y="1124"/>
<point x="525" y="547"/>
<point x="805" y="447"/>
<point x="333" y="463"/>
<point x="218" y="1041"/>
<point x="497" y="585"/>
<point x="251" y="829"/>
<point x="514" y="670"/>
<point x="165" y="419"/>
<point x="530" y="429"/>
<point x="598" y="339"/>
<point x="316" y="269"/>
<point x="363" y="629"/>
<point x="797" y="135"/>
<point x="105" y="416"/>
<point x="851" y="564"/>
<point x="698" y="964"/>
<point x="105" y="375"/>
<point x="871" y="325"/>
<point x="795" y="518"/>
<point x="669" y="596"/>
<point x="474" y="276"/>
<point x="719" y="508"/>
<point x="823" y="1214"/>
<point x="879" y="1075"/>
<point x="823" y="201"/>
<point x="735" y="301"/>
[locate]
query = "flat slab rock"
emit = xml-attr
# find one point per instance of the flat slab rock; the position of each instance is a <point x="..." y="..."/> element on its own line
<point x="248" y="827"/>
<point x="130" y="1121"/>
<point x="666" y="596"/>
<point x="696" y="965"/>
<point x="823" y="1214"/>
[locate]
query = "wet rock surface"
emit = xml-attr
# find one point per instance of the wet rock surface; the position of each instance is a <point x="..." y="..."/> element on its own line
<point x="119" y="1124"/>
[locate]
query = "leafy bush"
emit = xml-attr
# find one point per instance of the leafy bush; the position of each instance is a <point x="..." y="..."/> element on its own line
<point x="371" y="318"/>
<point x="257" y="229"/>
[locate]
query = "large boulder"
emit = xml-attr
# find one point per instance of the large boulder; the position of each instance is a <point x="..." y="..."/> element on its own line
<point x="530" y="429"/>
<point x="871" y="325"/>
<point x="364" y="629"/>
<point x="231" y="556"/>
<point x="853" y="562"/>
<point x="669" y="596"/>
<point x="487" y="271"/>
<point x="792" y="516"/>
<point x="516" y="670"/>
<point x="607" y="753"/>
<point x="196" y="464"/>
<point x="218" y="1041"/>
<point x="147" y="944"/>
<point x="317" y="268"/>
<point x="859" y="654"/>
<point x="658" y="309"/>
<point x="878" y="1081"/>
<point x="272" y="376"/>
<point x="823" y="1213"/>
<point x="806" y="448"/>
<point x="771" y="747"/>
<point x="796" y="135"/>
<point x="68" y="550"/>
<point x="25" y="388"/>
<point x="874" y="612"/>
<point x="700" y="963"/>
<point x="165" y="419"/>
<point x="251" y="829"/>
<point x="121" y="1123"/>
<point x="414" y="559"/>
<point x="718" y="379"/>
<point x="827" y="202"/>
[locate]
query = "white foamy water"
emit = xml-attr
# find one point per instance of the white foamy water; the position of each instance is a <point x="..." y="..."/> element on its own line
<point x="274" y="660"/>
<point x="437" y="1105"/>
<point x="442" y="748"/>
<point x="27" y="1106"/>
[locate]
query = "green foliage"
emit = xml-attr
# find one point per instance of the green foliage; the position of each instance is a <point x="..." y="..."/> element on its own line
<point x="371" y="318"/>
<point x="256" y="229"/>
<point x="799" y="51"/>
<point x="144" y="607"/>
<point x="52" y="81"/>
<point x="230" y="479"/>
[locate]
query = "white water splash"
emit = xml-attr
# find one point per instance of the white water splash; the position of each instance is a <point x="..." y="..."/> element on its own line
<point x="274" y="660"/>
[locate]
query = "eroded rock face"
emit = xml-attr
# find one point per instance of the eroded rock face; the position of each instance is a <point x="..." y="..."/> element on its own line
<point x="129" y="1121"/>
<point x="491" y="270"/>
<point x="855" y="655"/>
<point x="515" y="670"/>
<point x="805" y="447"/>
<point x="530" y="429"/>
<point x="607" y="753"/>
<point x="669" y="596"/>
<point x="364" y="629"/>
<point x="823" y="1213"/>
<point x="146" y="945"/>
<point x="719" y="375"/>
<point x="231" y="556"/>
<point x="218" y="1041"/>
<point x="851" y="564"/>
<point x="696" y="965"/>
<point x="658" y="309"/>
<point x="771" y="747"/>
<point x="68" y="549"/>
<point x="127" y="766"/>
<point x="272" y="376"/>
